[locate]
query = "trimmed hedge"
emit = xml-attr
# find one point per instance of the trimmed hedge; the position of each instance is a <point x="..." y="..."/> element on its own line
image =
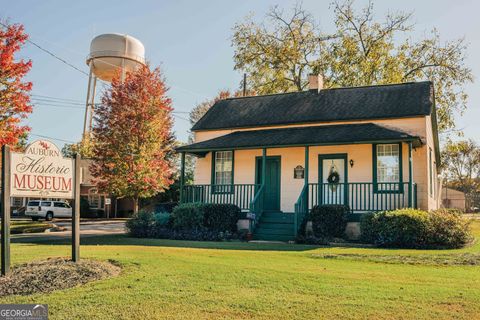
<point x="411" y="228"/>
<point x="448" y="228"/>
<point x="221" y="217"/>
<point x="329" y="221"/>
<point x="188" y="216"/>
<point x="215" y="217"/>
<point x="141" y="225"/>
<point x="209" y="222"/>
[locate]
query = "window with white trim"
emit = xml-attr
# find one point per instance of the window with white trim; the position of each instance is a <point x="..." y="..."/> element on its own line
<point x="388" y="166"/>
<point x="223" y="170"/>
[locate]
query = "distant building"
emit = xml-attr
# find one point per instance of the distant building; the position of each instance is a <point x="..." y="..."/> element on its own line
<point x="97" y="201"/>
<point x="453" y="199"/>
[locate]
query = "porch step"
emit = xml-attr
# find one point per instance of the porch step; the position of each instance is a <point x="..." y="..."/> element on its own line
<point x="275" y="226"/>
<point x="277" y="220"/>
<point x="273" y="237"/>
<point x="276" y="217"/>
<point x="264" y="230"/>
<point x="276" y="214"/>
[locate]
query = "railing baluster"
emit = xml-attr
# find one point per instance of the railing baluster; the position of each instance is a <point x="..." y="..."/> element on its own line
<point x="365" y="195"/>
<point x="242" y="194"/>
<point x="369" y="197"/>
<point x="360" y="196"/>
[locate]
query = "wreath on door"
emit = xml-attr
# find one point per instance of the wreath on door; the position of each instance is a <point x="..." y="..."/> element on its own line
<point x="333" y="177"/>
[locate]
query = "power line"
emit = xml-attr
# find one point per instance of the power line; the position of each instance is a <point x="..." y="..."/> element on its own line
<point x="51" y="53"/>
<point x="40" y="104"/>
<point x="35" y="100"/>
<point x="53" y="103"/>
<point x="49" y="99"/>
<point x="48" y="137"/>
<point x="57" y="106"/>
<point x="40" y="96"/>
<point x="179" y="117"/>
<point x="81" y="71"/>
<point x="57" y="57"/>
<point x="85" y="73"/>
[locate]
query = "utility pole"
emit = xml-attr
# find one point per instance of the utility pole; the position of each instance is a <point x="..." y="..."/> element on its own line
<point x="244" y="84"/>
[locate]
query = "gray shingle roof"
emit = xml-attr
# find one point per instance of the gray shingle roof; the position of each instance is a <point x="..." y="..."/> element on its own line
<point x="301" y="136"/>
<point x="357" y="103"/>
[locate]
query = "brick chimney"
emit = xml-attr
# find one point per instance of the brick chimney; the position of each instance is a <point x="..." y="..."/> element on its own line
<point x="315" y="82"/>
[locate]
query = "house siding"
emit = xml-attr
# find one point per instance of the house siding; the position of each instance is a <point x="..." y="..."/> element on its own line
<point x="362" y="171"/>
<point x="434" y="201"/>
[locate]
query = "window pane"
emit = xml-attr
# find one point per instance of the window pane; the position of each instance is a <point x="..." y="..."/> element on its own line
<point x="223" y="167"/>
<point x="17" y="202"/>
<point x="388" y="165"/>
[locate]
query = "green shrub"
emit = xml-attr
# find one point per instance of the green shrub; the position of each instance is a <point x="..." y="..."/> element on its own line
<point x="141" y="225"/>
<point x="221" y="217"/>
<point x="449" y="229"/>
<point x="411" y="228"/>
<point x="215" y="217"/>
<point x="400" y="228"/>
<point x="210" y="222"/>
<point x="188" y="216"/>
<point x="162" y="220"/>
<point x="329" y="220"/>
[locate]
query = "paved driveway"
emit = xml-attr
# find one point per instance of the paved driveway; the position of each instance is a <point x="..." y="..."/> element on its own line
<point x="87" y="228"/>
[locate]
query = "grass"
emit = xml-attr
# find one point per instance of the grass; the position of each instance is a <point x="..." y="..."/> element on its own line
<point x="164" y="279"/>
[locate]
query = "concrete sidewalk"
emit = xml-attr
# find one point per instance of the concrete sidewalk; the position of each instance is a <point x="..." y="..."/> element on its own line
<point x="87" y="229"/>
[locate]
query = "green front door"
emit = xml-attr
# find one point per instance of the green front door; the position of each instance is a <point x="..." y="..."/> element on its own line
<point x="272" y="182"/>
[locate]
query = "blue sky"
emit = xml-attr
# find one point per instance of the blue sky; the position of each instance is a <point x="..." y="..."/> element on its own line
<point x="190" y="41"/>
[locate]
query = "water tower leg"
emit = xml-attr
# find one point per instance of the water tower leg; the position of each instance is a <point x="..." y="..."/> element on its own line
<point x="92" y="104"/>
<point x="87" y="104"/>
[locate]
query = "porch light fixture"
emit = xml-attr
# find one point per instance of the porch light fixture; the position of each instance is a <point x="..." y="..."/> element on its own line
<point x="351" y="163"/>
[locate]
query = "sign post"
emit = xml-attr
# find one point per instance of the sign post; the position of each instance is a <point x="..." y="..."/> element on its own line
<point x="76" y="214"/>
<point x="5" y="208"/>
<point x="108" y="205"/>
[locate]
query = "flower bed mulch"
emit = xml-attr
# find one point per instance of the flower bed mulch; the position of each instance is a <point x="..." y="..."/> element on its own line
<point x="54" y="274"/>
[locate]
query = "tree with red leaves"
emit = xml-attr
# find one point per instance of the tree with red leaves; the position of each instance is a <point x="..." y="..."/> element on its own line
<point x="132" y="137"/>
<point x="14" y="91"/>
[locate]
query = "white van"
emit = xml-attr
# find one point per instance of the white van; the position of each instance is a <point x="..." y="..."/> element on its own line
<point x="47" y="209"/>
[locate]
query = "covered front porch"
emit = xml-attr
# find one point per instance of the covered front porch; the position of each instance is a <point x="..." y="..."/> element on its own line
<point x="276" y="176"/>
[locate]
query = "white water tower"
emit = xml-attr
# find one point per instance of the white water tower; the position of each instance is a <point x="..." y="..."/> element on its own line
<point x="111" y="54"/>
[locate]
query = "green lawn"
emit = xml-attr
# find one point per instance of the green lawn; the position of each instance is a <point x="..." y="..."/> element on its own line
<point x="165" y="279"/>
